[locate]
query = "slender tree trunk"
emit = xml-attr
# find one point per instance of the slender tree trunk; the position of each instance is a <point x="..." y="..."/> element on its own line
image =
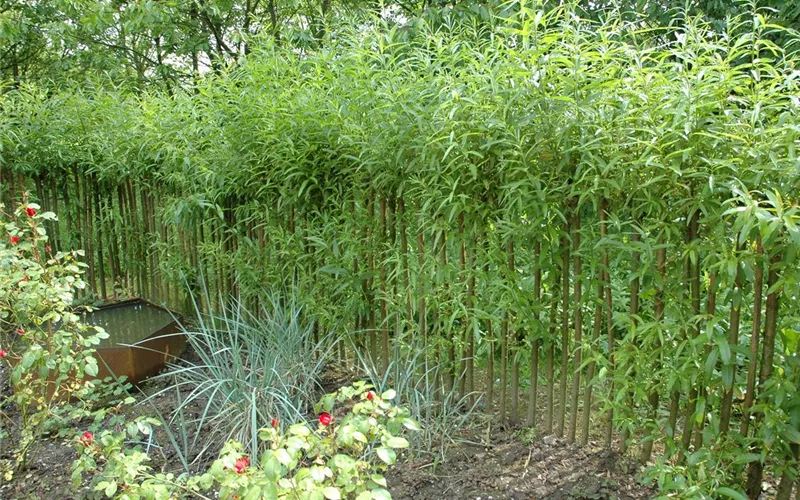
<point x="383" y="278"/>
<point x="596" y="328"/>
<point x="756" y="469"/>
<point x="703" y="391"/>
<point x="536" y="341"/>
<point x="401" y="209"/>
<point x="733" y="341"/>
<point x="373" y="342"/>
<point x="551" y="350"/>
<point x="421" y="312"/>
<point x="578" y="357"/>
<point x="101" y="268"/>
<point x="653" y="397"/>
<point x="562" y="386"/>
<point x="634" y="313"/>
<point x="610" y="334"/>
<point x="758" y="291"/>
<point x="445" y="337"/>
<point x="462" y="365"/>
<point x="471" y="322"/>
<point x="675" y="397"/>
<point x="512" y="342"/>
<point x="504" y="346"/>
<point x="491" y="352"/>
<point x="356" y="248"/>
<point x="88" y="234"/>
<point x="694" y="285"/>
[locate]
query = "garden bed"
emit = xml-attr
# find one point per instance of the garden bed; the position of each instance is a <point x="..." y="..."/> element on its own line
<point x="507" y="468"/>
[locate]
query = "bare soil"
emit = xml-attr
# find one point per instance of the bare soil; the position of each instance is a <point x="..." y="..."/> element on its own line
<point x="509" y="469"/>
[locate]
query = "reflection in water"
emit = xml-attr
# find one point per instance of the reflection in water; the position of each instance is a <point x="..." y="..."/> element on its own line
<point x="128" y="324"/>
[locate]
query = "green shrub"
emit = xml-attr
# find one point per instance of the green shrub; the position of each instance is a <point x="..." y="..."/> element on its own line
<point x="46" y="347"/>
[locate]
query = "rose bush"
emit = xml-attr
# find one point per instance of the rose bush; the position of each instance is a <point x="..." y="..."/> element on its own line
<point x="47" y="350"/>
<point x="341" y="458"/>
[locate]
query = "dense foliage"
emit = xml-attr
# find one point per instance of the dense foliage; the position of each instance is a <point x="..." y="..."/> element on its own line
<point x="614" y="214"/>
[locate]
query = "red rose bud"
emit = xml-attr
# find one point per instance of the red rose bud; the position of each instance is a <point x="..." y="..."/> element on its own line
<point x="275" y="423"/>
<point x="370" y="395"/>
<point x="20" y="331"/>
<point x="31" y="212"/>
<point x="325" y="419"/>
<point x="47" y="248"/>
<point x="3" y="353"/>
<point x="14" y="240"/>
<point x="87" y="438"/>
<point x="241" y="464"/>
<point x="24" y="278"/>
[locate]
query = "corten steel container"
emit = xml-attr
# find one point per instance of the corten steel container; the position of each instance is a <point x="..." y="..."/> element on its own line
<point x="148" y="351"/>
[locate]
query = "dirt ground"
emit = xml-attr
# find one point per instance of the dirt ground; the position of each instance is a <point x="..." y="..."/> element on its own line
<point x="547" y="468"/>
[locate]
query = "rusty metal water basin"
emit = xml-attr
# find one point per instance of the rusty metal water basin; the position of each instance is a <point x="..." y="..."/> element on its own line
<point x="143" y="337"/>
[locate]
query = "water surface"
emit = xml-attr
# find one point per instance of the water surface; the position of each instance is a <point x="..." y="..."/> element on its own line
<point x="128" y="324"/>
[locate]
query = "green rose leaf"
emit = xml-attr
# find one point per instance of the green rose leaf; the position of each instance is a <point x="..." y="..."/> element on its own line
<point x="388" y="455"/>
<point x="332" y="493"/>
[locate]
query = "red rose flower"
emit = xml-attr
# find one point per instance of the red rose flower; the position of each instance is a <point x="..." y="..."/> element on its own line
<point x="241" y="464"/>
<point x="370" y="395"/>
<point x="3" y="353"/>
<point x="275" y="423"/>
<point x="47" y="248"/>
<point x="14" y="240"/>
<point x="31" y="212"/>
<point x="87" y="438"/>
<point x="325" y="419"/>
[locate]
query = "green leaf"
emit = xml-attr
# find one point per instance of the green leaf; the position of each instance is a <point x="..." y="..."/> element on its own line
<point x="396" y="442"/>
<point x="724" y="349"/>
<point x="388" y="455"/>
<point x="282" y="456"/>
<point x="332" y="493"/>
<point x="299" y="430"/>
<point x="746" y="458"/>
<point x="388" y="395"/>
<point x="711" y="362"/>
<point x="411" y="424"/>
<point x="727" y="376"/>
<point x="91" y="367"/>
<point x="111" y="489"/>
<point x="792" y="434"/>
<point x="253" y="494"/>
<point x="381" y="494"/>
<point x="731" y="493"/>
